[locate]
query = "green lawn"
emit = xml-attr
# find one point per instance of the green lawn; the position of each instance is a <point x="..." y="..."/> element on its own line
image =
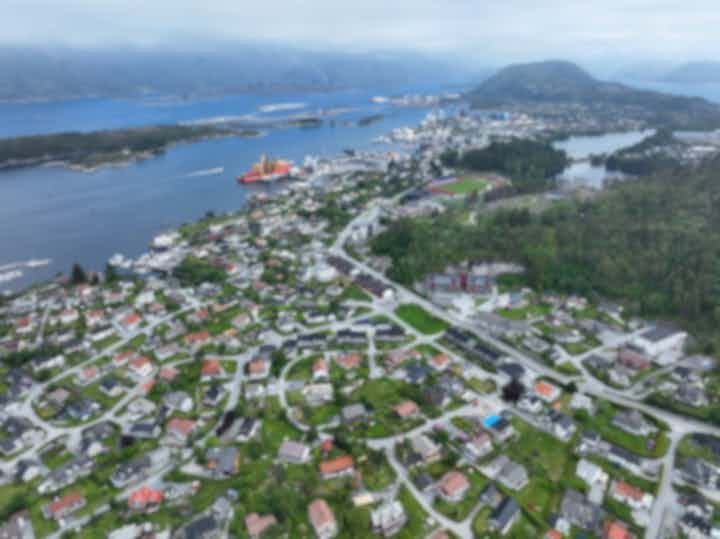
<point x="420" y="319"/>
<point x="466" y="184"/>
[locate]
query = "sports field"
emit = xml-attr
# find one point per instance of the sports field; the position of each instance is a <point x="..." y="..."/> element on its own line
<point x="466" y="184"/>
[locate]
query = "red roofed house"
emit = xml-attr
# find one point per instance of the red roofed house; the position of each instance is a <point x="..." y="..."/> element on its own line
<point x="198" y="339"/>
<point x="64" y="506"/>
<point x="199" y="316"/>
<point x="546" y="391"/>
<point x="337" y="467"/>
<point x="322" y="519"/>
<point x="440" y="362"/>
<point x="168" y="374"/>
<point x="553" y="534"/>
<point x="141" y="367"/>
<point x="131" y="321"/>
<point x="615" y="529"/>
<point x="88" y="375"/>
<point x="122" y="358"/>
<point x="407" y="409"/>
<point x="180" y="430"/>
<point x="350" y="361"/>
<point x="258" y="369"/>
<point x="145" y="499"/>
<point x="320" y="369"/>
<point x="211" y="368"/>
<point x="256" y="524"/>
<point x="631" y="495"/>
<point x="453" y="486"/>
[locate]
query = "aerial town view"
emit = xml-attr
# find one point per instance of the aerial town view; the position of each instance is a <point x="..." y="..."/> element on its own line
<point x="328" y="308"/>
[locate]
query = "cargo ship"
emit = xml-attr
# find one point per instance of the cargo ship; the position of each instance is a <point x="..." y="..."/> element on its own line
<point x="267" y="170"/>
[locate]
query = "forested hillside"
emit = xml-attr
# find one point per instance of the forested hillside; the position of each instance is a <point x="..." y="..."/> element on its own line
<point x="652" y="243"/>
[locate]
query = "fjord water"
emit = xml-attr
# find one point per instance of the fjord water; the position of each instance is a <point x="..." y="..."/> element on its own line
<point x="68" y="216"/>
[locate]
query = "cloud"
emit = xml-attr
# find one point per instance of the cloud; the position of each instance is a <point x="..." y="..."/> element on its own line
<point x="486" y="29"/>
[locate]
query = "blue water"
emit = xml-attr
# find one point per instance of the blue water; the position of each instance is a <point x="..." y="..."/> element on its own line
<point x="70" y="216"/>
<point x="490" y="421"/>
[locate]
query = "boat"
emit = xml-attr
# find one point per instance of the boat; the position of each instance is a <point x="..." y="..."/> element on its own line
<point x="267" y="170"/>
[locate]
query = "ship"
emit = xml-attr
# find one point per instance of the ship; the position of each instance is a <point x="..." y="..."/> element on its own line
<point x="267" y="170"/>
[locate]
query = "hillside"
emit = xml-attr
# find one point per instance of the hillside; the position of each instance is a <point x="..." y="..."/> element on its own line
<point x="653" y="244"/>
<point x="564" y="83"/>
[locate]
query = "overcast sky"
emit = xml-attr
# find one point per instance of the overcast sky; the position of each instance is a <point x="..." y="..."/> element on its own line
<point x="490" y="30"/>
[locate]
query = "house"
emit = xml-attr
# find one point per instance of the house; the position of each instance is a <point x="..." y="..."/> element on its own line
<point x="595" y="477"/>
<point x="660" y="340"/>
<point x="320" y="370"/>
<point x="353" y="413"/>
<point x="508" y="472"/>
<point x="87" y="375"/>
<point x="145" y="499"/>
<point x="337" y="467"/>
<point x="579" y="511"/>
<point x="547" y="391"/>
<point x="205" y="527"/>
<point x="198" y="339"/>
<point x="168" y="374"/>
<point x="407" y="410"/>
<point x="64" y="506"/>
<point x="388" y="519"/>
<point x="131" y="322"/>
<point x="66" y="474"/>
<point x="504" y="516"/>
<point x="293" y="452"/>
<point x="322" y="519"/>
<point x="211" y="368"/>
<point x="616" y="529"/>
<point x="256" y="524"/>
<point x="491" y="496"/>
<point x="626" y="459"/>
<point x="179" y="430"/>
<point x="40" y="364"/>
<point x="349" y="361"/>
<point x="416" y="373"/>
<point x="428" y="450"/>
<point x="223" y="461"/>
<point x="18" y="526"/>
<point x="213" y="395"/>
<point x="633" y="422"/>
<point x="141" y="367"/>
<point x="258" y="369"/>
<point x="453" y="486"/>
<point x="132" y="471"/>
<point x="178" y="401"/>
<point x="317" y="394"/>
<point x="691" y="395"/>
<point x="440" y="362"/>
<point x="479" y="446"/>
<point x="580" y="401"/>
<point x="436" y="396"/>
<point x="631" y="496"/>
<point x="634" y="359"/>
<point x="562" y="425"/>
<point x="530" y="403"/>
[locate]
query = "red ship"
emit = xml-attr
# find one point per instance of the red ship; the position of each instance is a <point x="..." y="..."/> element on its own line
<point x="267" y="170"/>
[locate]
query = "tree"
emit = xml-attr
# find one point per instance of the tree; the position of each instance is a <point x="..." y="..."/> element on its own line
<point x="78" y="275"/>
<point x="513" y="391"/>
<point x="111" y="275"/>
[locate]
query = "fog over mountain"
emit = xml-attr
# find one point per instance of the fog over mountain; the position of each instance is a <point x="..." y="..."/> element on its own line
<point x="63" y="72"/>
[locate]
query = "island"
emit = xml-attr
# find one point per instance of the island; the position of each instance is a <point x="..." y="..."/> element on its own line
<point x="90" y="150"/>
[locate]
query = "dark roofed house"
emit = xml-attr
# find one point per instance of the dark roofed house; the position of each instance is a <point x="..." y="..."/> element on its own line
<point x="504" y="516"/>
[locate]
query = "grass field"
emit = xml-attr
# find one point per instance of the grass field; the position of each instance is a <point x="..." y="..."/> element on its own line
<point x="420" y="319"/>
<point x="466" y="184"/>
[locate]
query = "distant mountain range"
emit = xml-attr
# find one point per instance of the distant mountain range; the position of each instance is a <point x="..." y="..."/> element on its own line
<point x="59" y="73"/>
<point x="563" y="82"/>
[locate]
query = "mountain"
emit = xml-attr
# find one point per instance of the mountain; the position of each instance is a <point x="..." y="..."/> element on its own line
<point x="32" y="73"/>
<point x="694" y="73"/>
<point x="560" y="82"/>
